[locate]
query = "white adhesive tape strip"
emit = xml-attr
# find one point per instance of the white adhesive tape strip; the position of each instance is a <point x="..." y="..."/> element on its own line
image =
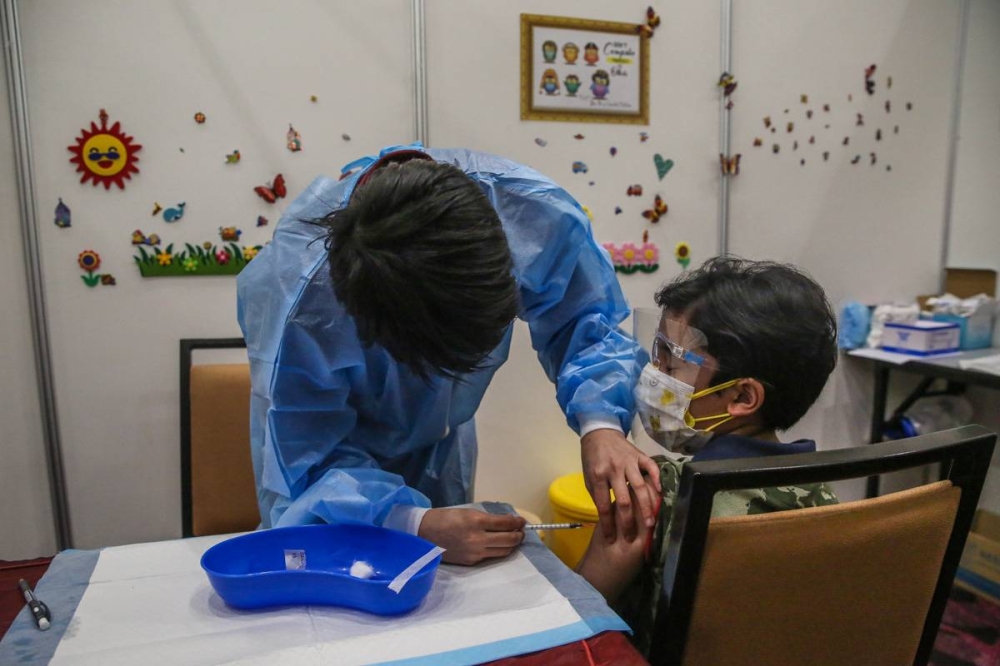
<point x="409" y="572"/>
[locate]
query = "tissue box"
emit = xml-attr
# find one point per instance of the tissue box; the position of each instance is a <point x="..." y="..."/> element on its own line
<point x="976" y="330"/>
<point x="921" y="338"/>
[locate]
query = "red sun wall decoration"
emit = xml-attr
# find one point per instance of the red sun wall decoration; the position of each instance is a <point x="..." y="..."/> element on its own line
<point x="105" y="155"/>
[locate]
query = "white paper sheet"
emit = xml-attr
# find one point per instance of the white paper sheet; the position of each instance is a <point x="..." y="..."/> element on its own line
<point x="152" y="604"/>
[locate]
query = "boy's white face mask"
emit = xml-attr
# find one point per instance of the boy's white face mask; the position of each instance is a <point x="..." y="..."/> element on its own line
<point x="662" y="403"/>
<point x="663" y="394"/>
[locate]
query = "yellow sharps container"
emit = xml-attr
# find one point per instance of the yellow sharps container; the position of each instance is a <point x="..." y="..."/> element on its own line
<point x="571" y="503"/>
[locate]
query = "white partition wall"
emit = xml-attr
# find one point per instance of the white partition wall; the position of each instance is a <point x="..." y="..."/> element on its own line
<point x="974" y="239"/>
<point x="865" y="232"/>
<point x="26" y="525"/>
<point x="251" y="68"/>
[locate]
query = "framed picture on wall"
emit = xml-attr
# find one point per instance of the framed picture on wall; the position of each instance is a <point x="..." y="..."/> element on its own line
<point x="580" y="70"/>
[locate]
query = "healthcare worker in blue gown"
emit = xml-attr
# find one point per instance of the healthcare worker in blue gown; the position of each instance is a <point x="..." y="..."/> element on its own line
<point x="376" y="318"/>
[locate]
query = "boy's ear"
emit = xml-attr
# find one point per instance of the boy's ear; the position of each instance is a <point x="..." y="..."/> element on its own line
<point x="749" y="398"/>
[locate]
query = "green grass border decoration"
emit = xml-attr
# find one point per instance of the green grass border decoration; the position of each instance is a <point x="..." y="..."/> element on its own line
<point x="194" y="260"/>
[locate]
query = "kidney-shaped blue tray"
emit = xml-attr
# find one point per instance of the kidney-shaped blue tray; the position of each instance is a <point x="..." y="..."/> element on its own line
<point x="250" y="571"/>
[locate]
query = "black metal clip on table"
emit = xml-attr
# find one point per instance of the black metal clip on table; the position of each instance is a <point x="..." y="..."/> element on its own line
<point x="930" y="368"/>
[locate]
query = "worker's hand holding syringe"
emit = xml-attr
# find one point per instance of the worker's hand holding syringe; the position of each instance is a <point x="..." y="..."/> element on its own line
<point x="470" y="536"/>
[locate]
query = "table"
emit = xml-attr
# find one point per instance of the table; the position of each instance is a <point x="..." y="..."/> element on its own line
<point x="11" y="600"/>
<point x="930" y="368"/>
<point x="91" y="628"/>
<point x="609" y="648"/>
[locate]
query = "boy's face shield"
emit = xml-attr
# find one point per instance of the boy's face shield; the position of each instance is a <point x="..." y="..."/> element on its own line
<point x="680" y="351"/>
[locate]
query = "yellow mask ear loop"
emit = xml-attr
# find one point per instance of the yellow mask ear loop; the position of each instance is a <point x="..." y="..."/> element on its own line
<point x="692" y="421"/>
<point x="713" y="389"/>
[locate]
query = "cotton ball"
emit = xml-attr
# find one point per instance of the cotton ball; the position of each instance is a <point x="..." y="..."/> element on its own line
<point x="361" y="569"/>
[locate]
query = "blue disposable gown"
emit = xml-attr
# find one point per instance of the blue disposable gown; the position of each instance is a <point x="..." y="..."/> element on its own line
<point x="342" y="432"/>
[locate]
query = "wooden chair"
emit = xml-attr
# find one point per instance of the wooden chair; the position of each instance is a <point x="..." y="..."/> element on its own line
<point x="861" y="582"/>
<point x="218" y="493"/>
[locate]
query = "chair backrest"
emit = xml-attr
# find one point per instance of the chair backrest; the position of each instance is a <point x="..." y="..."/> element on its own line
<point x="218" y="493"/>
<point x="856" y="583"/>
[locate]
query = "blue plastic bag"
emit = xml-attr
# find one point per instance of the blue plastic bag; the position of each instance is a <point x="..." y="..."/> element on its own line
<point x="855" y="320"/>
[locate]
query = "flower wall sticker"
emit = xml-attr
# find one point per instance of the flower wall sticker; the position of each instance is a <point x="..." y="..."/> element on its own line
<point x="683" y="254"/>
<point x="105" y="155"/>
<point x="90" y="261"/>
<point x="629" y="258"/>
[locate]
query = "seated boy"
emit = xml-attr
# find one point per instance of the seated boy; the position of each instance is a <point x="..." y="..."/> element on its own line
<point x="743" y="350"/>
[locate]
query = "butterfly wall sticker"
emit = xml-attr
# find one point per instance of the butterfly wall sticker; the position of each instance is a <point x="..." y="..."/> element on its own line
<point x="272" y="191"/>
<point x="730" y="166"/>
<point x="652" y="23"/>
<point x="728" y="83"/>
<point x="658" y="210"/>
<point x="869" y="81"/>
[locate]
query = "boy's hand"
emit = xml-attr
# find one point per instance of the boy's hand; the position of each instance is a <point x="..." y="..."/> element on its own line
<point x="470" y="536"/>
<point x="611" y="566"/>
<point x="611" y="462"/>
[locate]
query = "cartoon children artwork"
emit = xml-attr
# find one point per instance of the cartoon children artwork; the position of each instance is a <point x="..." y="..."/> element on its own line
<point x="550" y="82"/>
<point x="570" y="53"/>
<point x="562" y="86"/>
<point x="601" y="85"/>
<point x="572" y="83"/>
<point x="549" y="50"/>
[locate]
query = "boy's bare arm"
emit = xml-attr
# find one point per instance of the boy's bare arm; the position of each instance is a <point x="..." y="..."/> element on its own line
<point x="611" y="567"/>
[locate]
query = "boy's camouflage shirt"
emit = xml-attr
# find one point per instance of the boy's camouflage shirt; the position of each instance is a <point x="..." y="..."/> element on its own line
<point x="637" y="605"/>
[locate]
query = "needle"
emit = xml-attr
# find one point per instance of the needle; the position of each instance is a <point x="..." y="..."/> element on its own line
<point x="553" y="526"/>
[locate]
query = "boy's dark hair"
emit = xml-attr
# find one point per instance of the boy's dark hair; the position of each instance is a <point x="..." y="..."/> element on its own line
<point x="419" y="259"/>
<point x="763" y="320"/>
